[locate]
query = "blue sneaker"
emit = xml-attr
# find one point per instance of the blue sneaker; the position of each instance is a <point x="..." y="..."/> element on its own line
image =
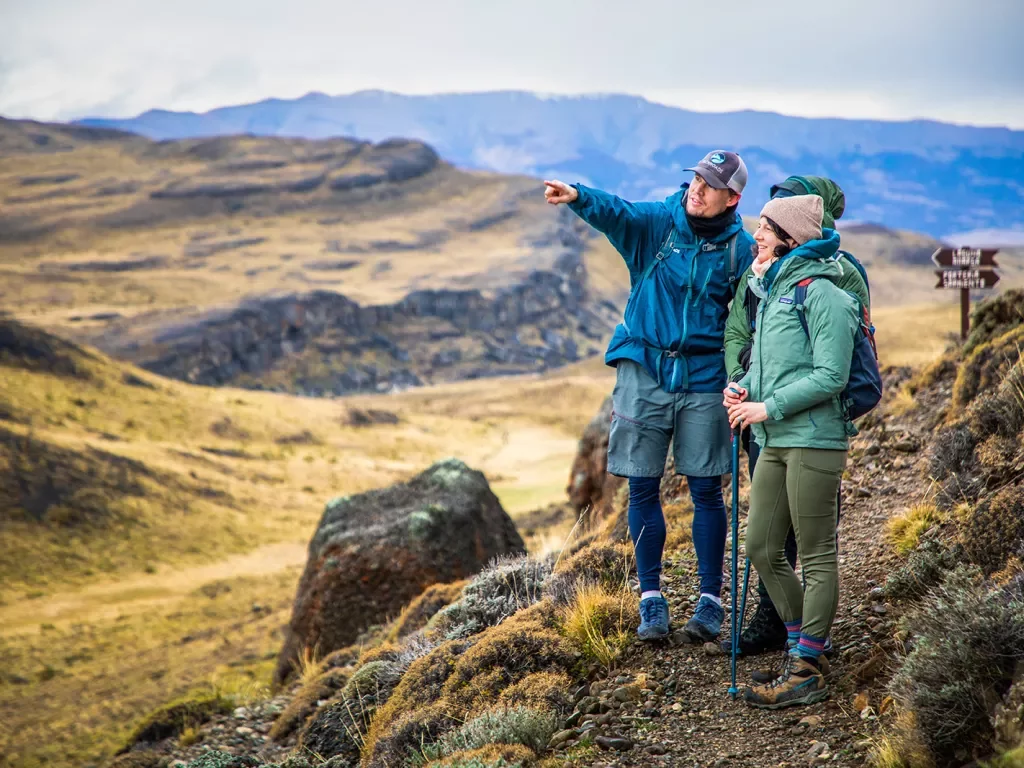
<point x="706" y="623"/>
<point x="653" y="618"/>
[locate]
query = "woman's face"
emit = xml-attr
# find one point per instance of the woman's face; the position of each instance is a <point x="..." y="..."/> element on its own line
<point x="767" y="240"/>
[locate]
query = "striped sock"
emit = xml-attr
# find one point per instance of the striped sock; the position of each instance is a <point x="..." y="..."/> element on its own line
<point x="810" y="647"/>
<point x="793" y="632"/>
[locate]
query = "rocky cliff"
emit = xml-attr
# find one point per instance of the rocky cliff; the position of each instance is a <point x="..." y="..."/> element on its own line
<point x="313" y="267"/>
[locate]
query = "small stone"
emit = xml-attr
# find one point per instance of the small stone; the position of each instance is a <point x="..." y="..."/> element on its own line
<point x="657" y="749"/>
<point x="713" y="649"/>
<point x="589" y="705"/>
<point x="605" y="719"/>
<point x="868" y="713"/>
<point x="881" y="609"/>
<point x="677" y="707"/>
<point x="873" y="450"/>
<point x="627" y="693"/>
<point x="241" y="713"/>
<point x="243" y="730"/>
<point x="817" y="748"/>
<point x="573" y="720"/>
<point x="561" y="737"/>
<point x="811" y="721"/>
<point x="621" y="679"/>
<point x="613" y="742"/>
<point x="581" y="693"/>
<point x="906" y="446"/>
<point x="651" y="712"/>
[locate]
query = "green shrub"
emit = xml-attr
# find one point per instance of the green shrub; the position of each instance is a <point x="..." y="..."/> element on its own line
<point x="967" y="637"/>
<point x="508" y="585"/>
<point x="530" y="727"/>
<point x="923" y="569"/>
<point x="173" y="718"/>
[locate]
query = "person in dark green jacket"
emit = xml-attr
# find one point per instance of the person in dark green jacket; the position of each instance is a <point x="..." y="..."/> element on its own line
<point x="766" y="631"/>
<point x="790" y="398"/>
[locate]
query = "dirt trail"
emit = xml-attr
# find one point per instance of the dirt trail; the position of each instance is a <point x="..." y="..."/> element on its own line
<point x="699" y="725"/>
<point x="107" y="600"/>
<point x="529" y="470"/>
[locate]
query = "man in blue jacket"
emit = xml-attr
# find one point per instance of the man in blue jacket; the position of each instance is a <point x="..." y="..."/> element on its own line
<point x="685" y="256"/>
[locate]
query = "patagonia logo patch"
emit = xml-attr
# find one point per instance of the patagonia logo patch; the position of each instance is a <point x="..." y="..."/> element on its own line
<point x="785" y="300"/>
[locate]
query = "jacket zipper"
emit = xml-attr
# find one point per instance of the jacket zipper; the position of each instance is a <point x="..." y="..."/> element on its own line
<point x="760" y="356"/>
<point x="689" y="294"/>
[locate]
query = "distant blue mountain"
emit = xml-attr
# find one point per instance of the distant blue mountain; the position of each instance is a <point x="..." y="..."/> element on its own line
<point x="920" y="175"/>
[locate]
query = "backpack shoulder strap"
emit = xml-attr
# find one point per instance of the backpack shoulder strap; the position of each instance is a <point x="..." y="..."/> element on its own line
<point x="661" y="255"/>
<point x="732" y="259"/>
<point x="750" y="302"/>
<point x="799" y="297"/>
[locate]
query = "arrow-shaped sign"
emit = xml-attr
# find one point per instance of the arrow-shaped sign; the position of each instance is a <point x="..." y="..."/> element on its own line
<point x="965" y="257"/>
<point x="966" y="278"/>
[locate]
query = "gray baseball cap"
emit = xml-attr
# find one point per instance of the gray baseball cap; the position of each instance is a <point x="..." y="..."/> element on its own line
<point x="722" y="170"/>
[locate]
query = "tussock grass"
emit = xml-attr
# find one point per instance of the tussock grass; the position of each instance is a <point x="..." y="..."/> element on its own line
<point x="600" y="623"/>
<point x="904" y="531"/>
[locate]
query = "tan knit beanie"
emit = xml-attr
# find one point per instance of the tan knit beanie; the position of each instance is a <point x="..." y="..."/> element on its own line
<point x="800" y="216"/>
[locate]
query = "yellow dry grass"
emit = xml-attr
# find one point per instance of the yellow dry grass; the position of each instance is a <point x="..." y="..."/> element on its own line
<point x="904" y="531"/>
<point x="101" y="627"/>
<point x="600" y="623"/>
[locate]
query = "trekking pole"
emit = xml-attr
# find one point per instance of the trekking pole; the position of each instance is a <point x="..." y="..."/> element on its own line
<point x="735" y="549"/>
<point x="743" y="602"/>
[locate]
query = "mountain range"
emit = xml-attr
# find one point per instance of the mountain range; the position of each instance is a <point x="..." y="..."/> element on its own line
<point x="932" y="177"/>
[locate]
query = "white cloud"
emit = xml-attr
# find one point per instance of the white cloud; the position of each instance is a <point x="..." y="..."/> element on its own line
<point x="944" y="59"/>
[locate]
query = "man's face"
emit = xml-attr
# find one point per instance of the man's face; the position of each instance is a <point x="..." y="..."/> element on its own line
<point x="704" y="201"/>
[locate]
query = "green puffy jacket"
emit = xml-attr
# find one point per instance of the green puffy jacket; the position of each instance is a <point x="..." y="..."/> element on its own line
<point x="738" y="333"/>
<point x="799" y="378"/>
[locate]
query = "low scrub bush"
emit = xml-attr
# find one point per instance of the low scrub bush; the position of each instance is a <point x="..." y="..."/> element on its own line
<point x="508" y="585"/>
<point x="967" y="636"/>
<point x="530" y="727"/>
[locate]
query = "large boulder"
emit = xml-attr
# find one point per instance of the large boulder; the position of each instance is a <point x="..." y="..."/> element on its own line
<point x="374" y="552"/>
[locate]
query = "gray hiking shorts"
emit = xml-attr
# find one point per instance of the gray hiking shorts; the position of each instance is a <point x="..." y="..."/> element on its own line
<point x="646" y="418"/>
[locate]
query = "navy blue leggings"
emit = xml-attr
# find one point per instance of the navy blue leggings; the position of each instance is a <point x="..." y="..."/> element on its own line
<point x="647" y="529"/>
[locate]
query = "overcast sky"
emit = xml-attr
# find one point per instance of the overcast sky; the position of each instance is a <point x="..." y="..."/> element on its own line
<point x="955" y="60"/>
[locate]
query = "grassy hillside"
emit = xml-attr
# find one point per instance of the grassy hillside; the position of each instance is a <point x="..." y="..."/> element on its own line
<point x="153" y="531"/>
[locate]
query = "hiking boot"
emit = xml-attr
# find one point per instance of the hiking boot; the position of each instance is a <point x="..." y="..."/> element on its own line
<point x="800" y="682"/>
<point x="830" y="650"/>
<point x="765" y="676"/>
<point x="653" y="618"/>
<point x="706" y="623"/>
<point x="766" y="632"/>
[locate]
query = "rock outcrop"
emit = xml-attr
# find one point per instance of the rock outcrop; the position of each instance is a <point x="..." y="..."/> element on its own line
<point x="591" y="489"/>
<point x="332" y="345"/>
<point x="373" y="553"/>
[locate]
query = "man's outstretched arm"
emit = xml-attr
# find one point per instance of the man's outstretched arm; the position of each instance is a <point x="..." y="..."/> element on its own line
<point x="628" y="226"/>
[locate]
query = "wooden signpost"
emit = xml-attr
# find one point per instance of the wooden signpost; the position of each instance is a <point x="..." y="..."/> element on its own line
<point x="963" y="269"/>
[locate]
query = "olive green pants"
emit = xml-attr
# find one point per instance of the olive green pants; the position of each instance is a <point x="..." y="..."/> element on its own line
<point x="797" y="486"/>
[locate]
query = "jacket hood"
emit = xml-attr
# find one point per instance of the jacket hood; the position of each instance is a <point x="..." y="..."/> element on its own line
<point x="831" y="194"/>
<point x="815" y="258"/>
<point x="676" y="204"/>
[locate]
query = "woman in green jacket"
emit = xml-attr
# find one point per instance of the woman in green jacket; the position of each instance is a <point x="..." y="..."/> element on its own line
<point x="790" y="397"/>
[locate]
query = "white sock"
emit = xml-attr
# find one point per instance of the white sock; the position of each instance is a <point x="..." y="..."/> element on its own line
<point x="651" y="593"/>
<point x="717" y="600"/>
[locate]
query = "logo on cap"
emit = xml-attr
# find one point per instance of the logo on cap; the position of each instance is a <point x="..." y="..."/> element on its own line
<point x="718" y="158"/>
